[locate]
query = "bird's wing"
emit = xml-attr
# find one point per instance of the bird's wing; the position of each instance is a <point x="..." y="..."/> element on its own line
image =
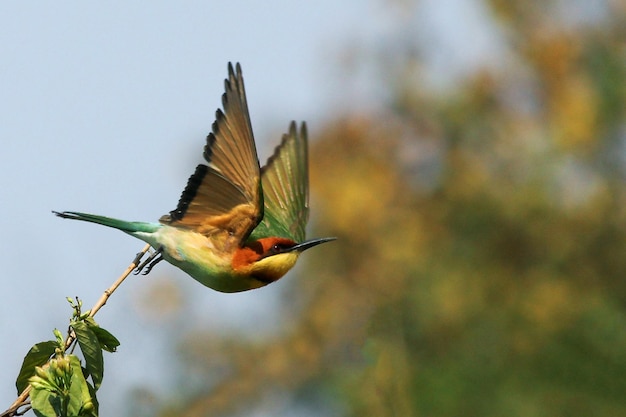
<point x="224" y="197"/>
<point x="285" y="181"/>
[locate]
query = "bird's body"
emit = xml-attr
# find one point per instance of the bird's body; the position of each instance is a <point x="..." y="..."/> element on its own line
<point x="236" y="227"/>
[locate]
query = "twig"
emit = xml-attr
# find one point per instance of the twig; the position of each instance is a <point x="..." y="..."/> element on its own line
<point x="22" y="399"/>
<point x="107" y="293"/>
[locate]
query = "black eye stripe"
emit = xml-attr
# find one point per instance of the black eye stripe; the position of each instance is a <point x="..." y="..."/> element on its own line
<point x="279" y="247"/>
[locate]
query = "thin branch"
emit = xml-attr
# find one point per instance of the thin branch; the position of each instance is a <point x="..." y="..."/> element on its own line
<point x="107" y="293"/>
<point x="22" y="399"/>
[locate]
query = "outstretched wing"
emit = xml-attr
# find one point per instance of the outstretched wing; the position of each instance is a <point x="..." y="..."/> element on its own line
<point x="224" y="197"/>
<point x="285" y="180"/>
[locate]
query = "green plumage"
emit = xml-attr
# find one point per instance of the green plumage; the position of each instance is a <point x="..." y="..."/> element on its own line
<point x="285" y="184"/>
<point x="124" y="226"/>
<point x="236" y="226"/>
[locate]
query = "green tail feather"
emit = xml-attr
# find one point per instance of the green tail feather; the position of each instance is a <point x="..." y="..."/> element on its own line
<point x="128" y="227"/>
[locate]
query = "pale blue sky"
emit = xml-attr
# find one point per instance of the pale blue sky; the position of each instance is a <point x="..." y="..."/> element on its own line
<point x="104" y="107"/>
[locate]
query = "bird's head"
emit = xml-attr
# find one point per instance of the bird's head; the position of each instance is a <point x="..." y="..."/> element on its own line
<point x="268" y="259"/>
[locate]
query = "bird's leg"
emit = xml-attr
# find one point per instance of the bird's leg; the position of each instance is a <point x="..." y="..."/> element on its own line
<point x="155" y="261"/>
<point x="150" y="262"/>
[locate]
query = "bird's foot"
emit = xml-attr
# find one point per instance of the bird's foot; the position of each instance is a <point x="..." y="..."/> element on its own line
<point x="150" y="262"/>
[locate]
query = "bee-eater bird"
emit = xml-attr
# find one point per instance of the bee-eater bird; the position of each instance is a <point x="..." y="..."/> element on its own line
<point x="237" y="226"/>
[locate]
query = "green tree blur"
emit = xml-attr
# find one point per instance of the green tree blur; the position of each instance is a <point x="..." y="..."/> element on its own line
<point x="481" y="263"/>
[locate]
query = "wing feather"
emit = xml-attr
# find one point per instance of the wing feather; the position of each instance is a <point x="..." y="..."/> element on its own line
<point x="285" y="181"/>
<point x="224" y="197"/>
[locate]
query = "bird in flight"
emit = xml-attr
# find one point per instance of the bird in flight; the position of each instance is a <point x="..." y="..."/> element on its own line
<point x="237" y="226"/>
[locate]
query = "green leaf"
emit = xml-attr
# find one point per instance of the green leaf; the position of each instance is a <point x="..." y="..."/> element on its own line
<point x="79" y="394"/>
<point x="45" y="403"/>
<point x="107" y="341"/>
<point x="92" y="351"/>
<point x="36" y="356"/>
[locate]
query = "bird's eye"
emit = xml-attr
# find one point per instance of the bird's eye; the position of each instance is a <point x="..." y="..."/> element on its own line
<point x="276" y="248"/>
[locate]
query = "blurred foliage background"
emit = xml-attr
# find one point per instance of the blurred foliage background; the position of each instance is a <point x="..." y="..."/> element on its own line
<point x="481" y="263"/>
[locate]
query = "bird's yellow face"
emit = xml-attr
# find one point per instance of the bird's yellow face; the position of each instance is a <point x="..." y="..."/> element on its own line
<point x="267" y="259"/>
<point x="271" y="268"/>
<point x="264" y="261"/>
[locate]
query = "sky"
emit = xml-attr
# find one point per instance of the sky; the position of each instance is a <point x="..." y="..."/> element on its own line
<point x="104" y="108"/>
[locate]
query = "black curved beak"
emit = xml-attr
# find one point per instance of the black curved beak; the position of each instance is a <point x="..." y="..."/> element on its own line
<point x="300" y="247"/>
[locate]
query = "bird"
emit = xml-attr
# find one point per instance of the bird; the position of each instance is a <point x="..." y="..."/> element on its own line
<point x="237" y="226"/>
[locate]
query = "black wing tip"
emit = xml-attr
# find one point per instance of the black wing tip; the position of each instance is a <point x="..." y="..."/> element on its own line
<point x="234" y="80"/>
<point x="304" y="131"/>
<point x="232" y="85"/>
<point x="208" y="148"/>
<point x="212" y="137"/>
<point x="299" y="135"/>
<point x="234" y="72"/>
<point x="189" y="193"/>
<point x="293" y="131"/>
